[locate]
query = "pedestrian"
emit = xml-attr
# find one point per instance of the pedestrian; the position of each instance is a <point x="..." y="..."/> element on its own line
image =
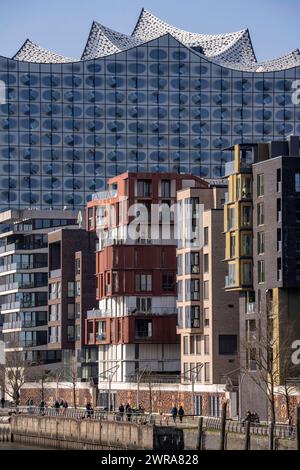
<point x="126" y="407"/>
<point x="42" y="408"/>
<point x="174" y="413"/>
<point x="56" y="406"/>
<point x="88" y="410"/>
<point x="129" y="413"/>
<point x="61" y="403"/>
<point x="121" y="411"/>
<point x="2" y="402"/>
<point x="65" y="407"/>
<point x="181" y="413"/>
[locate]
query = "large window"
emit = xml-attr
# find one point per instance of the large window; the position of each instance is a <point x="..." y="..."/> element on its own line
<point x="168" y="282"/>
<point x="71" y="289"/>
<point x="246" y="244"/>
<point x="166" y="188"/>
<point x="144" y="188"/>
<point x="227" y="344"/>
<point x="143" y="329"/>
<point x="230" y="218"/>
<point x="143" y="282"/>
<point x="247" y="274"/>
<point x="247" y="216"/>
<point x="185" y="345"/>
<point x="232" y="245"/>
<point x="192" y="289"/>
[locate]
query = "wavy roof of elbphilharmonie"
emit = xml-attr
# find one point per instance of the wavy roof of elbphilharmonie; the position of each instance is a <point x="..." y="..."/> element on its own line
<point x="232" y="50"/>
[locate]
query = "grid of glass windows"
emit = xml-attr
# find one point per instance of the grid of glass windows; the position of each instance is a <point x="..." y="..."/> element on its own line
<point x="66" y="128"/>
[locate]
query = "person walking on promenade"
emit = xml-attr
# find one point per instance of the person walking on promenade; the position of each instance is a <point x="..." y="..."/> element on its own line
<point x="56" y="406"/>
<point x="174" y="413"/>
<point x="121" y="411"/>
<point x="42" y="408"/>
<point x="88" y="410"/>
<point x="129" y="413"/>
<point x="181" y="413"/>
<point x="65" y="407"/>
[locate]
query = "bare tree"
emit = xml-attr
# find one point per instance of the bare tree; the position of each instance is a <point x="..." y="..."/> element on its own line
<point x="14" y="374"/>
<point x="71" y="375"/>
<point x="268" y="356"/>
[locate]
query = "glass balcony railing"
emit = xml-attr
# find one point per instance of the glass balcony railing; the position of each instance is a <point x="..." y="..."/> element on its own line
<point x="10" y="306"/>
<point x="9" y="287"/>
<point x="229" y="282"/>
<point x="55" y="273"/>
<point x="7" y="248"/>
<point x="229" y="168"/>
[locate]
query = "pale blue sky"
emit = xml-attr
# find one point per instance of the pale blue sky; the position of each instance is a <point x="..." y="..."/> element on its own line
<point x="63" y="25"/>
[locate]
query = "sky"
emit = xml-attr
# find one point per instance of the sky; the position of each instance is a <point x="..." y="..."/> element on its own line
<point x="62" y="26"/>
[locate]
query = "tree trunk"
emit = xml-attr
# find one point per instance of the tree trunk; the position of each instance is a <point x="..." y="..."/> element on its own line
<point x="272" y="424"/>
<point x="74" y="396"/>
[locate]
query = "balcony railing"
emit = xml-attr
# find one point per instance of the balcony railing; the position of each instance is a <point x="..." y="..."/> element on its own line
<point x="6" y="248"/>
<point x="96" y="313"/>
<point x="12" y="325"/>
<point x="8" y="267"/>
<point x="105" y="194"/>
<point x="55" y="273"/>
<point x="229" y="168"/>
<point x="11" y="306"/>
<point x="251" y="307"/>
<point x="229" y="282"/>
<point x="8" y="287"/>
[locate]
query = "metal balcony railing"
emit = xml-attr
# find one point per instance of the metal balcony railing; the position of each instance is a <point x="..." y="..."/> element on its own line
<point x="105" y="194"/>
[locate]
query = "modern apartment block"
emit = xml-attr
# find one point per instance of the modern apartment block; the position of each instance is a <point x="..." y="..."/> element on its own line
<point x="24" y="281"/>
<point x="72" y="292"/>
<point x="208" y="321"/>
<point x="262" y="217"/>
<point x="135" y="325"/>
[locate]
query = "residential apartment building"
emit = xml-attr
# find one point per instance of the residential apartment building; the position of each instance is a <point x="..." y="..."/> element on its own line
<point x="208" y="321"/>
<point x="135" y="325"/>
<point x="72" y="292"/>
<point x="262" y="228"/>
<point x="24" y="281"/>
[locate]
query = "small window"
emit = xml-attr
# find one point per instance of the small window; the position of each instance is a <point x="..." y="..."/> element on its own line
<point x="206" y="344"/>
<point x="260" y="243"/>
<point x="185" y="345"/>
<point x="205" y="236"/>
<point x="71" y="311"/>
<point x="260" y="214"/>
<point x="206" y="263"/>
<point x="206" y="290"/>
<point x="261" y="271"/>
<point x="297" y="181"/>
<point x="260" y="185"/>
<point x="71" y="289"/>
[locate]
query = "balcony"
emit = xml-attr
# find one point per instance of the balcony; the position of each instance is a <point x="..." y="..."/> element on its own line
<point x="8" y="267"/>
<point x="11" y="306"/>
<point x="105" y="194"/>
<point x="10" y="286"/>
<point x="96" y="313"/>
<point x="229" y="168"/>
<point x="55" y="273"/>
<point x="229" y="282"/>
<point x="14" y="325"/>
<point x="54" y="339"/>
<point x="7" y="248"/>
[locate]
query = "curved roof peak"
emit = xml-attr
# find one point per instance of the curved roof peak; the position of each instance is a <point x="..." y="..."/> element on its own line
<point x="104" y="41"/>
<point x="31" y="52"/>
<point x="238" y="44"/>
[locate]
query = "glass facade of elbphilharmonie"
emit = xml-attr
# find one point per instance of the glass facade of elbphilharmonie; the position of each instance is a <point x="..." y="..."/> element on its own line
<point x="160" y="100"/>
